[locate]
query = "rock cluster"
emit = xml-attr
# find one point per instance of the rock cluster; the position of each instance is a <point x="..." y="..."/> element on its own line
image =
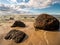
<point x="43" y="21"/>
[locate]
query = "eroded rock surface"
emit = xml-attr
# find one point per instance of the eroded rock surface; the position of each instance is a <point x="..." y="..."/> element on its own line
<point x="46" y="22"/>
<point x="15" y="35"/>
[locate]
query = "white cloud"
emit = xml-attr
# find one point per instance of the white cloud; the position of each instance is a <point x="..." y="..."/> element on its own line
<point x="42" y="3"/>
<point x="39" y="3"/>
<point x="36" y="3"/>
<point x="55" y="1"/>
<point x="13" y="9"/>
<point x="25" y="7"/>
<point x="12" y="0"/>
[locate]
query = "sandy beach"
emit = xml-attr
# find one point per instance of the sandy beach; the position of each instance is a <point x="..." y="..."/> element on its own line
<point x="39" y="37"/>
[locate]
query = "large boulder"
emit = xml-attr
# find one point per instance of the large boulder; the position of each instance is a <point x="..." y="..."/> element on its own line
<point x="15" y="35"/>
<point x="46" y="22"/>
<point x="18" y="24"/>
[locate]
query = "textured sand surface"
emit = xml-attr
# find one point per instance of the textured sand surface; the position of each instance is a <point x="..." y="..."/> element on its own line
<point x="33" y="37"/>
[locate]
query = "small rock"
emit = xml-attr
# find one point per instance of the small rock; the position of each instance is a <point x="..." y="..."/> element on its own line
<point x="18" y="24"/>
<point x="11" y="18"/>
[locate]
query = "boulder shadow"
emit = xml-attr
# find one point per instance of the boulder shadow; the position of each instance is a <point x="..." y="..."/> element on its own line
<point x="55" y="30"/>
<point x="59" y="27"/>
<point x="26" y="37"/>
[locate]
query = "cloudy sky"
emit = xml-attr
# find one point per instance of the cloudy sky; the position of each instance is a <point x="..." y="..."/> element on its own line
<point x="29" y="6"/>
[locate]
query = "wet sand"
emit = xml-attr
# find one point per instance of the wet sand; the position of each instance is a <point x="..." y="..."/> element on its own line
<point x="40" y="37"/>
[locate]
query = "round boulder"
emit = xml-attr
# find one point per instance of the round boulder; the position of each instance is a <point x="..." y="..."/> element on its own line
<point x="46" y="22"/>
<point x="15" y="35"/>
<point x="18" y="24"/>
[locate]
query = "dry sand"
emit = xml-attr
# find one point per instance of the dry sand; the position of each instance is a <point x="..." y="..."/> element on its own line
<point x="40" y="37"/>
